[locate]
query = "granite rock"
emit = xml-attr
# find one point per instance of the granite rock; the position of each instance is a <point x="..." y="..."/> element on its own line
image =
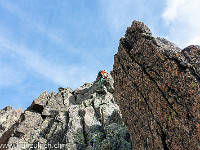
<point x="157" y="89"/>
<point x="79" y="119"/>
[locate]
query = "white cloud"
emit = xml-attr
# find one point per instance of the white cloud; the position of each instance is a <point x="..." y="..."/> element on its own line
<point x="182" y="16"/>
<point x="119" y="14"/>
<point x="195" y="40"/>
<point x="9" y="76"/>
<point x="173" y="9"/>
<point x="30" y="23"/>
<point x="34" y="62"/>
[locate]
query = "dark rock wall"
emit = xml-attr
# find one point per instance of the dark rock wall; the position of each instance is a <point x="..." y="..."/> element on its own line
<point x="157" y="88"/>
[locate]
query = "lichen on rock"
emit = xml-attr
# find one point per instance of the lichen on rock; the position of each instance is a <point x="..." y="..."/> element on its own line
<point x="157" y="89"/>
<point x="79" y="119"/>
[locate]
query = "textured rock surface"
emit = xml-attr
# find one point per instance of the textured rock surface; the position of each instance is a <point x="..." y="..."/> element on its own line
<point x="157" y="88"/>
<point x="86" y="118"/>
<point x="9" y="119"/>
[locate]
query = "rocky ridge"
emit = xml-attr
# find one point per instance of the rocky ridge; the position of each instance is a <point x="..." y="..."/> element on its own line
<point x="86" y="118"/>
<point x="157" y="88"/>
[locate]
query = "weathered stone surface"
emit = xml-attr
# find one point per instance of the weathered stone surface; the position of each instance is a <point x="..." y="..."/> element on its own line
<point x="39" y="103"/>
<point x="86" y="118"/>
<point x="157" y="88"/>
<point x="112" y="141"/>
<point x="68" y="96"/>
<point x="9" y="119"/>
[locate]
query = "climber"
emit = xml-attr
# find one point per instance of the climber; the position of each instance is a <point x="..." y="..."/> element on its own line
<point x="102" y="74"/>
<point x="101" y="77"/>
<point x="99" y="74"/>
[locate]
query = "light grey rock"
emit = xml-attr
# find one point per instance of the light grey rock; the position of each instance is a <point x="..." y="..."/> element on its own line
<point x="90" y="118"/>
<point x="67" y="94"/>
<point x="75" y="134"/>
<point x="79" y="119"/>
<point x="9" y="119"/>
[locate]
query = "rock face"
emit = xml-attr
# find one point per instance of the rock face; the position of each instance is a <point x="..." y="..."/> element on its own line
<point x="87" y="118"/>
<point x="157" y="88"/>
<point x="9" y="120"/>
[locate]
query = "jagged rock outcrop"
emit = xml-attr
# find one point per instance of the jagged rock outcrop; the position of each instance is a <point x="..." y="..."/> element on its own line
<point x="157" y="88"/>
<point x="87" y="118"/>
<point x="9" y="120"/>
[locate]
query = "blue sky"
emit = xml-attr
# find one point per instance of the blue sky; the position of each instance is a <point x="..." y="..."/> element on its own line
<point x="46" y="44"/>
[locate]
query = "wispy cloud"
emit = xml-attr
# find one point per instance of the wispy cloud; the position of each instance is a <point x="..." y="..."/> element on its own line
<point x="119" y="14"/>
<point x="72" y="75"/>
<point x="33" y="60"/>
<point x="29" y="22"/>
<point x="182" y="16"/>
<point x="9" y="76"/>
<point x="35" y="63"/>
<point x="174" y="9"/>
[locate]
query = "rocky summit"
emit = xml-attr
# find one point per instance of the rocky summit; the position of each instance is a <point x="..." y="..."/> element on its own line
<point x="157" y="93"/>
<point x="157" y="88"/>
<point x="86" y="118"/>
